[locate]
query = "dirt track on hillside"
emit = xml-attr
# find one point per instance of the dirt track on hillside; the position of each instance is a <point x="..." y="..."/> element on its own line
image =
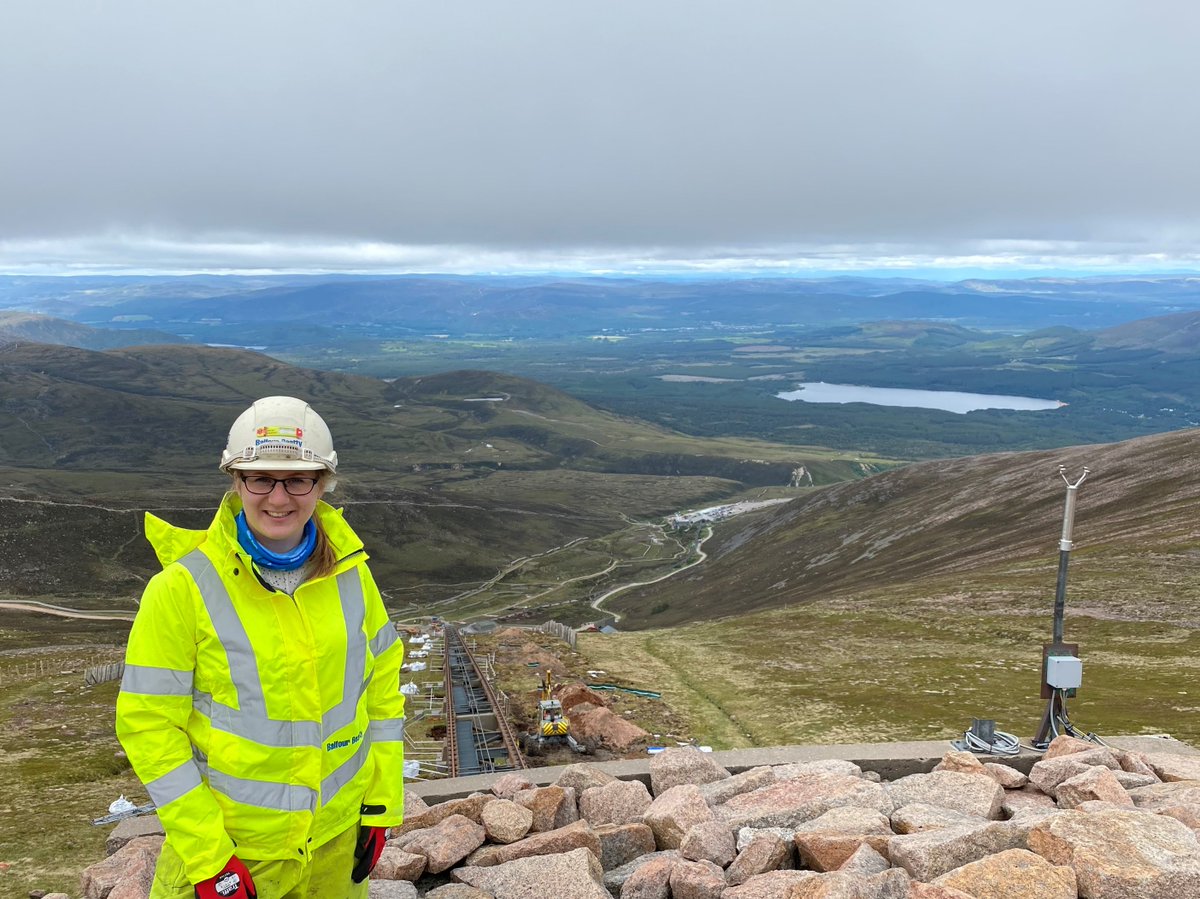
<point x="65" y="613"/>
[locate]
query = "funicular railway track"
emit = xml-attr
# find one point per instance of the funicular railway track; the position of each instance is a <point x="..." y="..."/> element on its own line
<point x="479" y="739"/>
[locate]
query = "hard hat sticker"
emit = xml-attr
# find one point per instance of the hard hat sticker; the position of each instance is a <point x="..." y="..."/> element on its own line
<point x="276" y="431"/>
<point x="278" y="445"/>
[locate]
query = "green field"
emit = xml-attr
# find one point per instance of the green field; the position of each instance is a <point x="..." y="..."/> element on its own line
<point x="882" y="670"/>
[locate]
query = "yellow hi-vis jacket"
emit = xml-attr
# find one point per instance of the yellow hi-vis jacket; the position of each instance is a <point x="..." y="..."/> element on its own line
<point x="261" y="723"/>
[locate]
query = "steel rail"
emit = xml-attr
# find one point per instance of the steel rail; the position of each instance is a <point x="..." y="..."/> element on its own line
<point x="479" y="738"/>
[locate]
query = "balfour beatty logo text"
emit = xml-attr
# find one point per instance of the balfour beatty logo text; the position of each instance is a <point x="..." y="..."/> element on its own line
<point x="342" y="744"/>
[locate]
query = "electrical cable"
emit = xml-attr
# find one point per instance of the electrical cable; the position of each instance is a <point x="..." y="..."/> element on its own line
<point x="1002" y="743"/>
<point x="1060" y="724"/>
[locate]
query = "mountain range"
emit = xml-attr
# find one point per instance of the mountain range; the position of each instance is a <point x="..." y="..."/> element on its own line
<point x="978" y="526"/>
<point x="449" y="474"/>
<point x="247" y="310"/>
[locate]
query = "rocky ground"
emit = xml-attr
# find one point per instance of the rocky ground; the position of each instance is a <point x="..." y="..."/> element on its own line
<point x="612" y="724"/>
<point x="1088" y="821"/>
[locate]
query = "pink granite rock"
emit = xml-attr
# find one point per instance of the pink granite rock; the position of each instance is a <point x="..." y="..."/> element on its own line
<point x="1005" y="775"/>
<point x="621" y="843"/>
<point x="446" y="843"/>
<point x="1066" y="745"/>
<point x="1181" y="794"/>
<point x="546" y="803"/>
<point x="795" y="770"/>
<point x="765" y="852"/>
<point x="580" y="777"/>
<point x="697" y="880"/>
<point x="865" y="861"/>
<point x="1096" y="783"/>
<point x="508" y="785"/>
<point x="652" y="880"/>
<point x="615" y="879"/>
<point x="397" y="864"/>
<point x="1047" y="774"/>
<point x="453" y="891"/>
<point x="918" y="817"/>
<point x="719" y="791"/>
<point x="413" y="804"/>
<point x="790" y="803"/>
<point x="1134" y="762"/>
<point x="619" y="802"/>
<point x="132" y="865"/>
<point x="772" y="885"/>
<point x="891" y="884"/>
<point x="1170" y="766"/>
<point x="505" y="821"/>
<point x="1028" y="797"/>
<point x="918" y="890"/>
<point x="131" y="828"/>
<point x="1012" y="874"/>
<point x="931" y="854"/>
<point x="682" y="765"/>
<point x="1129" y="780"/>
<point x="826" y="842"/>
<point x="710" y="841"/>
<point x="962" y="762"/>
<point x="1122" y="855"/>
<point x="574" y="836"/>
<point x="970" y="794"/>
<point x="674" y="813"/>
<point x="471" y="807"/>
<point x="568" y="875"/>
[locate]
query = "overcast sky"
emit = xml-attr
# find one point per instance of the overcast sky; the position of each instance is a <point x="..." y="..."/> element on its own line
<point x="486" y="135"/>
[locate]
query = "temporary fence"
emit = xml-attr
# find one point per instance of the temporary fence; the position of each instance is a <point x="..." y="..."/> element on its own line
<point x="557" y="629"/>
<point x="102" y="674"/>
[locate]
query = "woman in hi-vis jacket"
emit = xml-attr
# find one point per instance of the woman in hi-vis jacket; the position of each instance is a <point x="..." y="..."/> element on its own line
<point x="261" y="702"/>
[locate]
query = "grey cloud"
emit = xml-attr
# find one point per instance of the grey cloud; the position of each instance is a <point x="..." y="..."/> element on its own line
<point x="537" y="125"/>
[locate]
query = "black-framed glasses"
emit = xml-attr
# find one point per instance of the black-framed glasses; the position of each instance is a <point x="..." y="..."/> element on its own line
<point x="261" y="484"/>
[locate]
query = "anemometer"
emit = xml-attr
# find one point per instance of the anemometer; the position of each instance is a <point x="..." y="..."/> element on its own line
<point x="1062" y="669"/>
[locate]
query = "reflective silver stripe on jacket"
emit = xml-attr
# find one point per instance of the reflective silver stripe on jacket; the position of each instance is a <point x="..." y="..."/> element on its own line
<point x="267" y="731"/>
<point x="354" y="610"/>
<point x="383" y="639"/>
<point x="264" y="793"/>
<point x="153" y="681"/>
<point x="174" y="784"/>
<point x="251" y="720"/>
<point x="386" y="730"/>
<point x="344" y="773"/>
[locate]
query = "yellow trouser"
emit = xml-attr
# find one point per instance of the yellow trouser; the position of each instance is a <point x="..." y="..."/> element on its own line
<point x="326" y="876"/>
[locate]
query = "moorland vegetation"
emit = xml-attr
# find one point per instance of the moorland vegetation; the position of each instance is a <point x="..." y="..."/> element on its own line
<point x="883" y="600"/>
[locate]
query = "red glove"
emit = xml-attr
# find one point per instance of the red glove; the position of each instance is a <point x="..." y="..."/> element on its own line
<point x="370" y="847"/>
<point x="232" y="882"/>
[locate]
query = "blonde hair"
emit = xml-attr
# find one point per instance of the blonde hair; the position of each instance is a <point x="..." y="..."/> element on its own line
<point x="323" y="557"/>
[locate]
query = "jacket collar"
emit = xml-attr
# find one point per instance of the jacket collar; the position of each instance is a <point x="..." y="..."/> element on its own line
<point x="172" y="543"/>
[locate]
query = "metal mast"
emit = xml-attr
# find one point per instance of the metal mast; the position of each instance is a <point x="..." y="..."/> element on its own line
<point x="1063" y="677"/>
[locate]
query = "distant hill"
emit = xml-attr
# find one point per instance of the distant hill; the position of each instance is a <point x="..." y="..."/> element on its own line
<point x="88" y="439"/>
<point x="29" y="326"/>
<point x="1173" y="334"/>
<point x="935" y="526"/>
<point x="246" y="310"/>
<point x="154" y="409"/>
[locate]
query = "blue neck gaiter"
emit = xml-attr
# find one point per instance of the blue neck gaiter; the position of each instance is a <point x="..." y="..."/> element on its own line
<point x="288" y="561"/>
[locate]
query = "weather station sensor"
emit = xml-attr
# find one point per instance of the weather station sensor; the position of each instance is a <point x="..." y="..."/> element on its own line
<point x="1062" y="670"/>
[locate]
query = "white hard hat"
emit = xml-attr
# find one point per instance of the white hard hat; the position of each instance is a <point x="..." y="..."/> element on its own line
<point x="279" y="432"/>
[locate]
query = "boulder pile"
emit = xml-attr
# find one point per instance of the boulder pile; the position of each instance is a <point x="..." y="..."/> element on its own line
<point x="1088" y="821"/>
